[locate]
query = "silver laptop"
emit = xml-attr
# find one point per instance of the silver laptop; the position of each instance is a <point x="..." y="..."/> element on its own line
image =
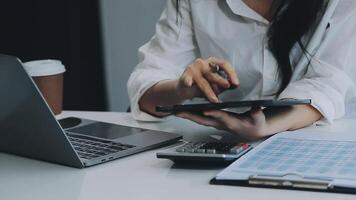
<point x="28" y="127"/>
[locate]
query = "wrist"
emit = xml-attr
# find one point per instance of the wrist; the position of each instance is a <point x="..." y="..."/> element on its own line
<point x="277" y="121"/>
<point x="268" y="129"/>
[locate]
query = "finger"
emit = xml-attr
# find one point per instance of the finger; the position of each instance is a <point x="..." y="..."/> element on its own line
<point x="229" y="70"/>
<point x="205" y="87"/>
<point x="255" y="110"/>
<point x="205" y="121"/>
<point x="215" y="78"/>
<point x="187" y="79"/>
<point x="218" y="115"/>
<point x="230" y="122"/>
<point x="257" y="115"/>
<point x="216" y="89"/>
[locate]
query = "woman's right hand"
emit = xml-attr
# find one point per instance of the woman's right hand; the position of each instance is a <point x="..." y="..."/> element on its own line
<point x="201" y="80"/>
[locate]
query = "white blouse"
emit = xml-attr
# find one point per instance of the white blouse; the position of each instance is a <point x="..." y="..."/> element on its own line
<point x="231" y="30"/>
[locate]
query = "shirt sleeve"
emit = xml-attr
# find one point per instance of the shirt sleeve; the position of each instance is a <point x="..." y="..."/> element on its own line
<point x="326" y="81"/>
<point x="165" y="56"/>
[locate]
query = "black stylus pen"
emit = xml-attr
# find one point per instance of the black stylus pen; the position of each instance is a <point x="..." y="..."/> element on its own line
<point x="217" y="69"/>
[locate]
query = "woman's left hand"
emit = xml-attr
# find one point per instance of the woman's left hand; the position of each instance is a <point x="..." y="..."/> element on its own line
<point x="251" y="125"/>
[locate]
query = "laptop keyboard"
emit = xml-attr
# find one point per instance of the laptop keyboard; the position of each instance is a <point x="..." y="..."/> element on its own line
<point x="92" y="148"/>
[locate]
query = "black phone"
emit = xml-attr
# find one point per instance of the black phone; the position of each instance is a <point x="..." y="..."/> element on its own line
<point x="199" y="107"/>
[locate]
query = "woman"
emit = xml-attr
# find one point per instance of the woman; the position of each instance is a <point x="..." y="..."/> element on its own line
<point x="279" y="49"/>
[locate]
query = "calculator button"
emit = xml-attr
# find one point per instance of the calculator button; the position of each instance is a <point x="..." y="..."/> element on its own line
<point x="191" y="150"/>
<point x="201" y="151"/>
<point x="198" y="144"/>
<point x="236" y="150"/>
<point x="211" y="151"/>
<point x="244" y="146"/>
<point x="180" y="150"/>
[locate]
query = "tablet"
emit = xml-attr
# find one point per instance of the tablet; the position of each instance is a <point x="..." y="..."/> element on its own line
<point x="232" y="104"/>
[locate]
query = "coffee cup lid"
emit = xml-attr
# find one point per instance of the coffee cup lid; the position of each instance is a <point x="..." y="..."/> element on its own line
<point x="44" y="67"/>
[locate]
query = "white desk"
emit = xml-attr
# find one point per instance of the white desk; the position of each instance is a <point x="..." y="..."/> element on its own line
<point x="140" y="176"/>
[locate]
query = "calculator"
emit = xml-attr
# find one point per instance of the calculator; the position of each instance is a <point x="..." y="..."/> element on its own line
<point x="206" y="152"/>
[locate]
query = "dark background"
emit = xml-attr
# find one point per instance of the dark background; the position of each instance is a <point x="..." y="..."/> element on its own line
<point x="68" y="30"/>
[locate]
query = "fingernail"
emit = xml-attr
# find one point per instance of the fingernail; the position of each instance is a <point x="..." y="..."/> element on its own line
<point x="190" y="82"/>
<point x="216" y="100"/>
<point x="235" y="82"/>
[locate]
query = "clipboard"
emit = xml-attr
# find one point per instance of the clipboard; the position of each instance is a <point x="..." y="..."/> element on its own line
<point x="273" y="183"/>
<point x="336" y="177"/>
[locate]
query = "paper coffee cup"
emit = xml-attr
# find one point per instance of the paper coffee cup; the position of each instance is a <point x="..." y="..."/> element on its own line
<point x="40" y="68"/>
<point x="48" y="76"/>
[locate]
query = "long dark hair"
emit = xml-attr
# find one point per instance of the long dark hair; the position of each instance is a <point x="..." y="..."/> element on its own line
<point x="291" y="20"/>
